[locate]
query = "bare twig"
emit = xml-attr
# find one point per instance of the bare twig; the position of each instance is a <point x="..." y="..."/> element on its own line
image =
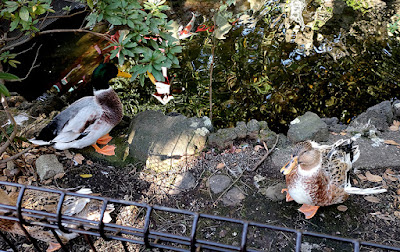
<point x="227" y="189"/>
<point x="76" y="30"/>
<point x="33" y="66"/>
<point x="266" y="155"/>
<point x="8" y="137"/>
<point x="16" y="155"/>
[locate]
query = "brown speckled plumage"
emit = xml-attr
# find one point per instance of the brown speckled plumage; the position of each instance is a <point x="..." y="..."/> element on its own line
<point x="324" y="186"/>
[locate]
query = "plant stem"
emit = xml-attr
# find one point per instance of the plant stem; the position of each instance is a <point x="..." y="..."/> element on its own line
<point x="211" y="72"/>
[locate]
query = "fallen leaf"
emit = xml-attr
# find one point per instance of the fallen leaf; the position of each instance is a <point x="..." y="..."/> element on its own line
<point x="79" y="158"/>
<point x="334" y="133"/>
<point x="391" y="142"/>
<point x="258" y="147"/>
<point x="3" y="178"/>
<point x="373" y="178"/>
<point x="398" y="191"/>
<point x="59" y="175"/>
<point x="355" y="182"/>
<point x="68" y="154"/>
<point x="89" y="162"/>
<point x="220" y="166"/>
<point x="362" y="177"/>
<point x="86" y="175"/>
<point x="238" y="150"/>
<point x="3" y="165"/>
<point x="397" y="214"/>
<point x="389" y="171"/>
<point x="372" y="199"/>
<point x="342" y="208"/>
<point x="382" y="216"/>
<point x="395" y="126"/>
<point x="343" y="133"/>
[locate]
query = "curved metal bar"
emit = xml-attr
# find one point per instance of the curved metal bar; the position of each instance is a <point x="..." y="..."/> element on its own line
<point x="244" y="236"/>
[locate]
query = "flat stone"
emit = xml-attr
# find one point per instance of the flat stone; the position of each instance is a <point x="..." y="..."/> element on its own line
<point x="183" y="182"/>
<point x="308" y="127"/>
<point x="274" y="193"/>
<point x="233" y="197"/>
<point x="218" y="183"/>
<point x="47" y="166"/>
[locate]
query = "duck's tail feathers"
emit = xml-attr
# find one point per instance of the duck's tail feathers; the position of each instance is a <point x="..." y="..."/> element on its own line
<point x="361" y="191"/>
<point x="39" y="142"/>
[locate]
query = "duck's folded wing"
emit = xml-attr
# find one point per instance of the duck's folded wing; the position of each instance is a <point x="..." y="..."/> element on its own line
<point x="77" y="120"/>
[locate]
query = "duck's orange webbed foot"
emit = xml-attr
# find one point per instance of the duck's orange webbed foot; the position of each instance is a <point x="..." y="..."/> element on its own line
<point x="104" y="139"/>
<point x="107" y="150"/>
<point x="308" y="211"/>
<point x="288" y="197"/>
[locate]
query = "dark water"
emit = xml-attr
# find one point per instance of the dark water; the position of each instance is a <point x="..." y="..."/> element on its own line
<point x="258" y="74"/>
<point x="266" y="72"/>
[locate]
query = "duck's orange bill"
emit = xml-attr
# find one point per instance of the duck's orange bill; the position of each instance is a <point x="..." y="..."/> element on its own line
<point x="289" y="165"/>
<point x="123" y="74"/>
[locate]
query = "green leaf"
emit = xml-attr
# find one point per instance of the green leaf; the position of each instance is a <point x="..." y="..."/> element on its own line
<point x="24" y="14"/>
<point x="8" y="76"/>
<point x="114" y="20"/>
<point x="4" y="90"/>
<point x="90" y="3"/>
<point x="14" y="24"/>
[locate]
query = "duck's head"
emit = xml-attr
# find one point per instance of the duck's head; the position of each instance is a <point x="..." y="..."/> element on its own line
<point x="104" y="73"/>
<point x="305" y="156"/>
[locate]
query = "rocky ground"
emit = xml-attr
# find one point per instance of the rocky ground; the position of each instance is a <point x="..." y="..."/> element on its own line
<point x="229" y="179"/>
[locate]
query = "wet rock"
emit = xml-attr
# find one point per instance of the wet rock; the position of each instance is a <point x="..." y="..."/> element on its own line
<point x="162" y="140"/>
<point x="274" y="193"/>
<point x="334" y="125"/>
<point x="218" y="183"/>
<point x="47" y="166"/>
<point x="241" y="130"/>
<point x="223" y="138"/>
<point x="233" y="197"/>
<point x="308" y="127"/>
<point x="377" y="117"/>
<point x="253" y="126"/>
<point x="183" y="182"/>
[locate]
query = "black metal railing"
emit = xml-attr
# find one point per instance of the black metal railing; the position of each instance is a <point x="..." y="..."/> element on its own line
<point x="145" y="233"/>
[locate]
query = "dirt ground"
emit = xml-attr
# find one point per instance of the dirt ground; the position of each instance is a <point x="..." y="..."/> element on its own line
<point x="373" y="219"/>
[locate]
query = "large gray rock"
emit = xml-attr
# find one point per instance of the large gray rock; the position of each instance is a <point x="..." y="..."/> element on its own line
<point x="47" y="166"/>
<point x="377" y="117"/>
<point x="308" y="127"/>
<point x="162" y="140"/>
<point x="274" y="193"/>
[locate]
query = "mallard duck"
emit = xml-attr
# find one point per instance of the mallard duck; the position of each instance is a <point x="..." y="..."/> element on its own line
<point x="89" y="119"/>
<point x="317" y="175"/>
<point x="80" y="207"/>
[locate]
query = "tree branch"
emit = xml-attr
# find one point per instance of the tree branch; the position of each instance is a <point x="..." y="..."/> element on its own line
<point x="56" y="31"/>
<point x="32" y="66"/>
